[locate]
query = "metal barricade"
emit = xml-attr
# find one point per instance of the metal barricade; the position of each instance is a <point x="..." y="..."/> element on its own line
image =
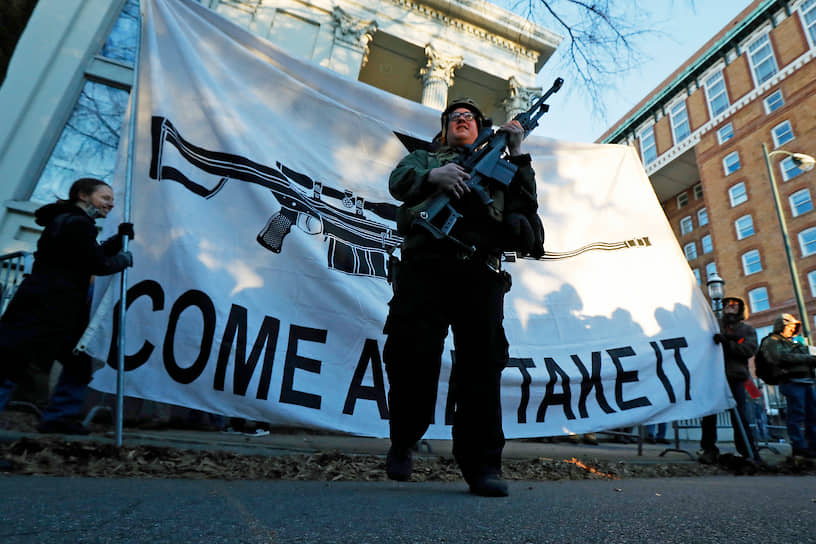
<point x="773" y="428"/>
<point x="13" y="268"/>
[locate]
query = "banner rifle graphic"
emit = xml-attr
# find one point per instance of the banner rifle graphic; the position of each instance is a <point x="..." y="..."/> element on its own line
<point x="357" y="245"/>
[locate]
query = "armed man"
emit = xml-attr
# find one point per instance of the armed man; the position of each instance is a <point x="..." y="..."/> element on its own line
<point x="455" y="279"/>
<point x="739" y="343"/>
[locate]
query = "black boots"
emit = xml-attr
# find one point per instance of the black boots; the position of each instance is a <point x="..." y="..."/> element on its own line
<point x="489" y="484"/>
<point x="399" y="464"/>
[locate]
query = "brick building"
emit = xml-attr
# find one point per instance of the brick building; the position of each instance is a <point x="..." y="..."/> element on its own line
<point x="700" y="134"/>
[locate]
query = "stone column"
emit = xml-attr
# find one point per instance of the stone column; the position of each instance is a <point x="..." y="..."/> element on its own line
<point x="352" y="36"/>
<point x="519" y="98"/>
<point x="437" y="77"/>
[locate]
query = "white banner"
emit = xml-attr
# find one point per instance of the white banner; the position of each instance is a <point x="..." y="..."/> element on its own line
<point x="263" y="221"/>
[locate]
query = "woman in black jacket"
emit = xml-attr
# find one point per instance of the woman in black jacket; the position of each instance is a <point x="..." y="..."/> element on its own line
<point x="50" y="310"/>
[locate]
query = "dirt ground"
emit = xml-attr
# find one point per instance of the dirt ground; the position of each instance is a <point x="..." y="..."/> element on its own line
<point x="59" y="456"/>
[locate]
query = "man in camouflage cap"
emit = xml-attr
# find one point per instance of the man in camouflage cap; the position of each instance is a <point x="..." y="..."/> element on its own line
<point x="440" y="285"/>
<point x="797" y="364"/>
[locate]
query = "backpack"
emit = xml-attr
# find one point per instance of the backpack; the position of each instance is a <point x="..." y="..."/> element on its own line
<point x="766" y="371"/>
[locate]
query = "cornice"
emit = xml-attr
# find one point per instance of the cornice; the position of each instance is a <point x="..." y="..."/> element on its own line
<point x="489" y="23"/>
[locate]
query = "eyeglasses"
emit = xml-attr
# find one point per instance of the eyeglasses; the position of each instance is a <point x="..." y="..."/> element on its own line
<point x="463" y="115"/>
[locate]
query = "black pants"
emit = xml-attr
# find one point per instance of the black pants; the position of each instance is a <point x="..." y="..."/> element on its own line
<point x="44" y="325"/>
<point x="709" y="424"/>
<point x="432" y="293"/>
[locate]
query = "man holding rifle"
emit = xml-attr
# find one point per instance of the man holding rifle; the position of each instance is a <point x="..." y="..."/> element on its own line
<point x="456" y="280"/>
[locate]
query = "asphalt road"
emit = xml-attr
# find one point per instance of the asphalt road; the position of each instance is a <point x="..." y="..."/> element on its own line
<point x="710" y="510"/>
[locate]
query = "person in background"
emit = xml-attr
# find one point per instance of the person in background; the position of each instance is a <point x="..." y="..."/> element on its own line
<point x="780" y="349"/>
<point x="739" y="343"/>
<point x="50" y="310"/>
<point x="656" y="434"/>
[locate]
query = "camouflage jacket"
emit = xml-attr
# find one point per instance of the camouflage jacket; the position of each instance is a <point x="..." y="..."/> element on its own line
<point x="789" y="355"/>
<point x="480" y="226"/>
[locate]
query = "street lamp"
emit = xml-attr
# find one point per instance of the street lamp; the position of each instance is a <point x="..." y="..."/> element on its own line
<point x="805" y="162"/>
<point x="716" y="292"/>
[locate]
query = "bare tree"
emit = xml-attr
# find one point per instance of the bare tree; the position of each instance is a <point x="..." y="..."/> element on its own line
<point x="88" y="143"/>
<point x="601" y="39"/>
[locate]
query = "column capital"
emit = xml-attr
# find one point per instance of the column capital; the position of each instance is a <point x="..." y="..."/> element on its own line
<point x="519" y="98"/>
<point x="439" y="67"/>
<point x="353" y="31"/>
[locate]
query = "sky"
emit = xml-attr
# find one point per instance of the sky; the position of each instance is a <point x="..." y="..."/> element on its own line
<point x="683" y="27"/>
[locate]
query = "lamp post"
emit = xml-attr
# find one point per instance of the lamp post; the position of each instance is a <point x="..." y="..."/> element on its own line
<point x="805" y="162"/>
<point x="716" y="292"/>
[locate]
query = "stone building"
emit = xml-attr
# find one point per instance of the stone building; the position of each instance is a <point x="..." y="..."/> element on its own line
<point x="69" y="79"/>
<point x="701" y="133"/>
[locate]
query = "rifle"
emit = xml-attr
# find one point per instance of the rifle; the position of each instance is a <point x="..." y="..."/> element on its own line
<point x="483" y="161"/>
<point x="357" y="245"/>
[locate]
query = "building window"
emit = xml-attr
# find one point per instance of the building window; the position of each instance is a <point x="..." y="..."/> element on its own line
<point x="711" y="269"/>
<point x="782" y="133"/>
<point x="725" y="133"/>
<point x="696" y="273"/>
<point x="789" y="168"/>
<point x="773" y="101"/>
<point x="808" y="10"/>
<point x="698" y="191"/>
<point x="708" y="246"/>
<point x="758" y="299"/>
<point x="682" y="200"/>
<point x="716" y="93"/>
<point x="88" y="142"/>
<point x="807" y="241"/>
<point x="751" y="263"/>
<point x="690" y="250"/>
<point x="121" y="42"/>
<point x="648" y="148"/>
<point x="761" y="57"/>
<point x="679" y="122"/>
<point x="291" y="32"/>
<point x="812" y="282"/>
<point x="737" y="194"/>
<point x="686" y="225"/>
<point x="702" y="217"/>
<point x="800" y="202"/>
<point x="744" y="227"/>
<point x="731" y="163"/>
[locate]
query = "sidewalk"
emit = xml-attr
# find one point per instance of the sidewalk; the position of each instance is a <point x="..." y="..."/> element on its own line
<point x="290" y="442"/>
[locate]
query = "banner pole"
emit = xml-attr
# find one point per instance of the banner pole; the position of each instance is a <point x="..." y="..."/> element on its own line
<point x="120" y="352"/>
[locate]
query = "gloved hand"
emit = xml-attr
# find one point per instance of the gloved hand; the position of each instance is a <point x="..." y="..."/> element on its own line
<point x="719" y="338"/>
<point x="126" y="229"/>
<point x="537" y="249"/>
<point x="129" y="256"/>
<point x="521" y="232"/>
<point x="527" y="233"/>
